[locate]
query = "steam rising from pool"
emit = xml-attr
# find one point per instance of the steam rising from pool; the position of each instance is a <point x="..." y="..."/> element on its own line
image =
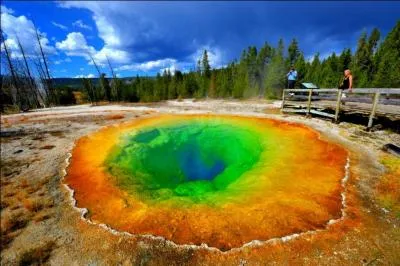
<point x="220" y="180"/>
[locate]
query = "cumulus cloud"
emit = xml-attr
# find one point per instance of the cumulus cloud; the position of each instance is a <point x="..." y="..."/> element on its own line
<point x="150" y="65"/>
<point x="4" y="9"/>
<point x="60" y="26"/>
<point x="85" y="76"/>
<point x="149" y="32"/>
<point x="114" y="55"/>
<point x="23" y="28"/>
<point x="149" y="43"/>
<point x="146" y="41"/>
<point x="214" y="54"/>
<point x="75" y="45"/>
<point x="79" y="23"/>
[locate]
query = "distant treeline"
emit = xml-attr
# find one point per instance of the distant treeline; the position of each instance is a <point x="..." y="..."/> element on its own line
<point x="259" y="73"/>
<point x="262" y="72"/>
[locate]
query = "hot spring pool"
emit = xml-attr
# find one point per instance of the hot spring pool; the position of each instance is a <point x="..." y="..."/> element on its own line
<point x="219" y="180"/>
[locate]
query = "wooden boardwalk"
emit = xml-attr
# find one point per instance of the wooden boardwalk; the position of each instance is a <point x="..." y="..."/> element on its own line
<point x="329" y="103"/>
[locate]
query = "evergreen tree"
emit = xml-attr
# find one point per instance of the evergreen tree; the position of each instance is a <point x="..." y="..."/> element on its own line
<point x="130" y="92"/>
<point x="275" y="79"/>
<point x="372" y="47"/>
<point x="362" y="62"/>
<point x="116" y="88"/>
<point x="172" y="89"/>
<point x="293" y="52"/>
<point x="387" y="61"/>
<point x="344" y="60"/>
<point x="212" y="91"/>
<point x="89" y="89"/>
<point x="301" y="68"/>
<point x="313" y="73"/>
<point x="203" y="83"/>
<point x="329" y="72"/>
<point x="250" y="60"/>
<point x="206" y="65"/>
<point x="263" y="59"/>
<point x="240" y="80"/>
<point x="158" y="88"/>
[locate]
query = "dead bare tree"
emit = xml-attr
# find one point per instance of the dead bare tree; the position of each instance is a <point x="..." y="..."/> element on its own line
<point x="13" y="73"/>
<point x="48" y="80"/>
<point x="112" y="70"/>
<point x="90" y="90"/>
<point x="116" y="84"/>
<point x="95" y="65"/>
<point x="104" y="86"/>
<point x="42" y="77"/>
<point x="32" y="85"/>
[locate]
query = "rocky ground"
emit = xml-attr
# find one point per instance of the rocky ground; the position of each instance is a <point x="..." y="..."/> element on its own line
<point x="40" y="226"/>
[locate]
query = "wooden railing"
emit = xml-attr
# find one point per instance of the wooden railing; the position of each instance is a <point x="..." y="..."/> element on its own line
<point x="308" y="110"/>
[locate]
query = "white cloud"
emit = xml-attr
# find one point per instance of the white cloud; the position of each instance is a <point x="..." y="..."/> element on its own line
<point x="214" y="56"/>
<point x="114" y="55"/>
<point x="131" y="33"/>
<point x="58" y="25"/>
<point x="4" y="9"/>
<point x="150" y="65"/>
<point x="23" y="27"/>
<point x="58" y="62"/>
<point x="85" y="76"/>
<point x="79" y="23"/>
<point x="111" y="22"/>
<point x="75" y="45"/>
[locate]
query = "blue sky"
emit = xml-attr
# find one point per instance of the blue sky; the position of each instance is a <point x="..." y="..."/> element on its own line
<point x="145" y="38"/>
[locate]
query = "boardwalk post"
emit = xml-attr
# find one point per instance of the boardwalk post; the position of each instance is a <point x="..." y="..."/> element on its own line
<point x="309" y="101"/>
<point x="339" y="99"/>
<point x="283" y="100"/>
<point x="373" y="111"/>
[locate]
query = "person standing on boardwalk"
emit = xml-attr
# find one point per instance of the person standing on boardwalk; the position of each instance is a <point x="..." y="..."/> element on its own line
<point x="292" y="77"/>
<point x="347" y="82"/>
